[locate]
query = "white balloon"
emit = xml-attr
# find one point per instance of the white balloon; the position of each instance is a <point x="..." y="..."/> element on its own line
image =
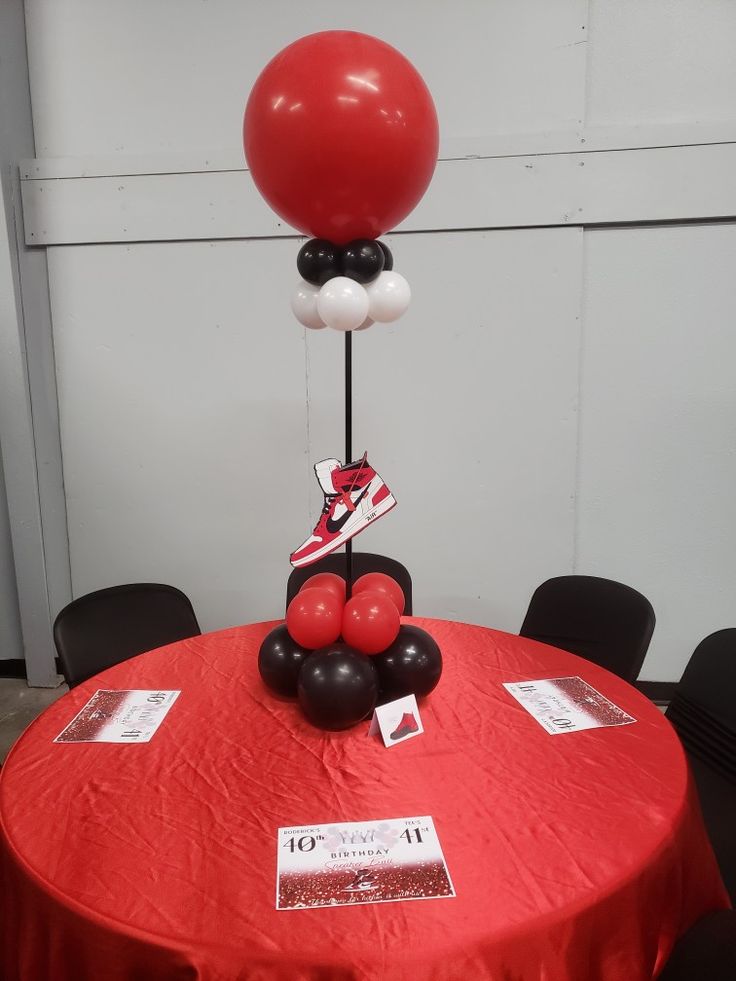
<point x="304" y="305"/>
<point x="388" y="297"/>
<point x="342" y="303"/>
<point x="366" y="324"/>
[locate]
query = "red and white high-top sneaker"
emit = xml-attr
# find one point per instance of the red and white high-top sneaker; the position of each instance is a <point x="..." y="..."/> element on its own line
<point x="355" y="496"/>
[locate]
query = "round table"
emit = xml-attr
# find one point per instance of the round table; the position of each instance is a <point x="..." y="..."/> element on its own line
<point x="575" y="857"/>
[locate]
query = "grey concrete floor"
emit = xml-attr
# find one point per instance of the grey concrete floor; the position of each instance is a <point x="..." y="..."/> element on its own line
<point x="19" y="706"/>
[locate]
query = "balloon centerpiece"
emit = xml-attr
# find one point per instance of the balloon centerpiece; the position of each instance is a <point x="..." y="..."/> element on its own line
<point x="342" y="658"/>
<point x="341" y="139"/>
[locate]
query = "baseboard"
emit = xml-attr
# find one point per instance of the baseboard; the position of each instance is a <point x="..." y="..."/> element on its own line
<point x="15" y="667"/>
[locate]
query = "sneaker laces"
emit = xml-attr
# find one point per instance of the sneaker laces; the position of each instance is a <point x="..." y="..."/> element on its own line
<point x="346" y="494"/>
<point x="344" y="498"/>
<point x="328" y="504"/>
<point x="326" y="508"/>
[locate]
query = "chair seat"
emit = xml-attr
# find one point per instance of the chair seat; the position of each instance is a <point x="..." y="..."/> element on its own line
<point x="605" y="622"/>
<point x="111" y="625"/>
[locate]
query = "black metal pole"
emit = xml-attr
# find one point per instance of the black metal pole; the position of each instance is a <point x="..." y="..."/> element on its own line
<point x="349" y="445"/>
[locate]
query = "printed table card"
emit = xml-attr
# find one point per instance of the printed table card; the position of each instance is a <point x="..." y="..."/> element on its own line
<point x="397" y="720"/>
<point x="567" y="705"/>
<point x="360" y="862"/>
<point x="119" y="717"/>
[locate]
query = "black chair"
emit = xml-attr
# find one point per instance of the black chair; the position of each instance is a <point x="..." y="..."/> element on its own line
<point x="362" y="562"/>
<point x="707" y="952"/>
<point x="599" y="619"/>
<point x="110" y="625"/>
<point x="703" y="711"/>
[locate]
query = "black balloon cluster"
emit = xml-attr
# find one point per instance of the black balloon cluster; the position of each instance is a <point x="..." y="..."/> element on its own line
<point x="337" y="686"/>
<point x="362" y="260"/>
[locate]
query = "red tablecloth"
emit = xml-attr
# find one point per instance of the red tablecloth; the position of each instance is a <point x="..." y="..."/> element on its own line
<point x="575" y="857"/>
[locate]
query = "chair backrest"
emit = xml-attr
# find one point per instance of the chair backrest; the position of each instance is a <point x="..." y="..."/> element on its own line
<point x="110" y="625"/>
<point x="703" y="709"/>
<point x="604" y="621"/>
<point x="362" y="562"/>
<point x="707" y="951"/>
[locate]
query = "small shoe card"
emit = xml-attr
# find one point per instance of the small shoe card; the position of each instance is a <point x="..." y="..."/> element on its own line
<point x="567" y="705"/>
<point x="397" y="721"/>
<point x="119" y="717"/>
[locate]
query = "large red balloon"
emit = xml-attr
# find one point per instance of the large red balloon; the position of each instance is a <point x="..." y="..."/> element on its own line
<point x="313" y="618"/>
<point x="379" y="582"/>
<point x="370" y="622"/>
<point x="341" y="135"/>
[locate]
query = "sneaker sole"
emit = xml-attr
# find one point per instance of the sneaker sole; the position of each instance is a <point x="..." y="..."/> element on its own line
<point x="373" y="515"/>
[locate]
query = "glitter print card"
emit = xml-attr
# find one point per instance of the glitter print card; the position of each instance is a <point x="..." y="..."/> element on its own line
<point x="567" y="705"/>
<point x="119" y="717"/>
<point x="360" y="862"/>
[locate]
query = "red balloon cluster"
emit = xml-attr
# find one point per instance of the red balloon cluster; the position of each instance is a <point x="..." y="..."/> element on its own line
<point x="341" y="136"/>
<point x="339" y="681"/>
<point x="369" y="621"/>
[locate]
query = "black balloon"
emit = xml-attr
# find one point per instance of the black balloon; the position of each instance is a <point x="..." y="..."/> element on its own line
<point x="279" y="661"/>
<point x="388" y="263"/>
<point x="362" y="260"/>
<point x="318" y="261"/>
<point x="412" y="665"/>
<point x="338" y="687"/>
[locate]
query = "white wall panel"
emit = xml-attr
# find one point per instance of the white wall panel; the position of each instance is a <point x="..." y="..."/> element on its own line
<point x="131" y="76"/>
<point x="468" y="408"/>
<point x="187" y="447"/>
<point x="182" y="395"/>
<point x="658" y="427"/>
<point x="34" y="574"/>
<point x="661" y="61"/>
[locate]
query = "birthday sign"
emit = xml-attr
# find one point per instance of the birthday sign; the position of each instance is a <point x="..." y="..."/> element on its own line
<point x="567" y="705"/>
<point x="360" y="862"/>
<point x="119" y="717"/>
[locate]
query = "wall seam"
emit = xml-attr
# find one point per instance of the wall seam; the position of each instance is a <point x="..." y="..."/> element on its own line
<point x="581" y="327"/>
